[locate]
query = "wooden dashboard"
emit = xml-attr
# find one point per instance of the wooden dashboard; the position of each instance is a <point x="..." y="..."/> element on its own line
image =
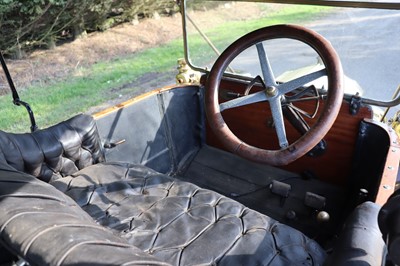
<point x="253" y="124"/>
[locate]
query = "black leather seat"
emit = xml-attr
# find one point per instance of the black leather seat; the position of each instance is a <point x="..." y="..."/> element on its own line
<point x="43" y="226"/>
<point x="136" y="215"/>
<point x="182" y="224"/>
<point x="55" y="152"/>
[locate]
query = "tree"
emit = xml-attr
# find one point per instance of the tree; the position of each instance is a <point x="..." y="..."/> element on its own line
<point x="26" y="25"/>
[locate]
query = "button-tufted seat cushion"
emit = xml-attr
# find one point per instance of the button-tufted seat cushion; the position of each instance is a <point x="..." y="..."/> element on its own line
<point x="182" y="224"/>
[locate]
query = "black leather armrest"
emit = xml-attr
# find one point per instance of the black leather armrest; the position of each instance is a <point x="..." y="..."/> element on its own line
<point x="360" y="242"/>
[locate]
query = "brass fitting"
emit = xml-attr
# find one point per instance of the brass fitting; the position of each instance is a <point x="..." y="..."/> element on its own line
<point x="186" y="75"/>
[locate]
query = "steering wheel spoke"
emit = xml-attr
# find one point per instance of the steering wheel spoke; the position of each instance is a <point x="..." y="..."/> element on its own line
<point x="244" y="100"/>
<point x="301" y="81"/>
<point x="277" y="116"/>
<point x="266" y="69"/>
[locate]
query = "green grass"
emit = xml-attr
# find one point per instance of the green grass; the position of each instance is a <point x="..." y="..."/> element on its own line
<point x="63" y="99"/>
<point x="92" y="86"/>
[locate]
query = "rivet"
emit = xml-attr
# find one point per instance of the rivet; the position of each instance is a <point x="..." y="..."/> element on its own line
<point x="387" y="187"/>
<point x="390" y="167"/>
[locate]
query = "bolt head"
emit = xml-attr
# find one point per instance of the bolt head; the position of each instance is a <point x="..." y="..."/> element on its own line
<point x="271" y="91"/>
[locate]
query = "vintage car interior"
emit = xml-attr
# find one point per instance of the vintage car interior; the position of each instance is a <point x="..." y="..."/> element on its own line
<point x="245" y="166"/>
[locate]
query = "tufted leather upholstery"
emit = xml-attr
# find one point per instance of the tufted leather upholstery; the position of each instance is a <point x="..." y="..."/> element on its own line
<point x="54" y="152"/>
<point x="146" y="217"/>
<point x="45" y="227"/>
<point x="182" y="224"/>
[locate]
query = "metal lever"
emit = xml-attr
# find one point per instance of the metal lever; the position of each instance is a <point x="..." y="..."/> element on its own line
<point x="110" y="145"/>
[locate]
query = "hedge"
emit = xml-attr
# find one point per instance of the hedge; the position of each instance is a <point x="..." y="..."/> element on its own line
<point x="25" y="25"/>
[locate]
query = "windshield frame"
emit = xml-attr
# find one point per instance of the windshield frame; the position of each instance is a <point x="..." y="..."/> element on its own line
<point x="328" y="3"/>
<point x="347" y="4"/>
<point x="337" y="3"/>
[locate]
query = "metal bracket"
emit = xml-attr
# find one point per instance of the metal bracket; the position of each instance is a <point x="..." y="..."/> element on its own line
<point x="355" y="104"/>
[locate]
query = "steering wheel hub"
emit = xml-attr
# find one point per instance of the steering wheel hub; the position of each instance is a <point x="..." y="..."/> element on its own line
<point x="271" y="91"/>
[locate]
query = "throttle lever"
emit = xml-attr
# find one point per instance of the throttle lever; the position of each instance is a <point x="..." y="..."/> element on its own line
<point x="110" y="145"/>
<point x="302" y="127"/>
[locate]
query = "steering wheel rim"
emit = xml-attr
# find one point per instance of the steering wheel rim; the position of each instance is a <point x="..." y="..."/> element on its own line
<point x="320" y="128"/>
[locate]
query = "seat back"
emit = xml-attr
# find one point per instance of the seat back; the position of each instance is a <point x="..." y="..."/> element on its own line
<point x="53" y="152"/>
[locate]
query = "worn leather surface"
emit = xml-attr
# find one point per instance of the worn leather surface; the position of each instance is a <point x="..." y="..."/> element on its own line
<point x="360" y="241"/>
<point x="139" y="214"/>
<point x="182" y="224"/>
<point x="389" y="223"/>
<point x="54" y="152"/>
<point x="45" y="227"/>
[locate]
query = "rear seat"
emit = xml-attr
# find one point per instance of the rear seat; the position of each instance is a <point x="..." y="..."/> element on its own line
<point x="58" y="151"/>
<point x="136" y="215"/>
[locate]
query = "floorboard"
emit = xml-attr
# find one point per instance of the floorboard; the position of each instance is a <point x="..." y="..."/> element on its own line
<point x="249" y="183"/>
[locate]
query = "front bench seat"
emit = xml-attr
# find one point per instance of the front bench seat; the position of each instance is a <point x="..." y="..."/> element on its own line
<point x="182" y="224"/>
<point x="146" y="217"/>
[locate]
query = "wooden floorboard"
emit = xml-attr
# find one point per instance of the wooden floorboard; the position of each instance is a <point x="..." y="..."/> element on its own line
<point x="226" y="163"/>
<point x="249" y="183"/>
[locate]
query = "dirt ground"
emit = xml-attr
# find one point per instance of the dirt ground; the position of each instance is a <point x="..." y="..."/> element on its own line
<point x="42" y="66"/>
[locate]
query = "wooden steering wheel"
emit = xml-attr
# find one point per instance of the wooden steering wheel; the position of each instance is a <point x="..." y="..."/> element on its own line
<point x="274" y="94"/>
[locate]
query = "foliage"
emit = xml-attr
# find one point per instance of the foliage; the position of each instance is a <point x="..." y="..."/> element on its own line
<point x="26" y="24"/>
